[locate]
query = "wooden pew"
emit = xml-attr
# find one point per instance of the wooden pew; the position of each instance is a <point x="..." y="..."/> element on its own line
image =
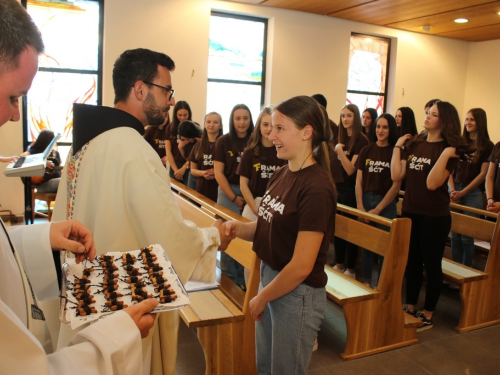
<point x="374" y="318"/>
<point x="479" y="291"/>
<point x="222" y="317"/>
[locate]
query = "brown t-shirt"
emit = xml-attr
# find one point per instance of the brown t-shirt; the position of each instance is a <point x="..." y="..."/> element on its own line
<point x="496" y="160"/>
<point x="375" y="162"/>
<point x="361" y="142"/>
<point x="295" y="201"/>
<point x="156" y="138"/>
<point x="225" y="154"/>
<point x="418" y="199"/>
<point x="203" y="186"/>
<point x="466" y="171"/>
<point x="259" y="168"/>
<point x="171" y="135"/>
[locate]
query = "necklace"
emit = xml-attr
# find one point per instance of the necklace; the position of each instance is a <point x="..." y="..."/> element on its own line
<point x="305" y="160"/>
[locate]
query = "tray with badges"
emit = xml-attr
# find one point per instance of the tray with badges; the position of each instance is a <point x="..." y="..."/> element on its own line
<point x="94" y="289"/>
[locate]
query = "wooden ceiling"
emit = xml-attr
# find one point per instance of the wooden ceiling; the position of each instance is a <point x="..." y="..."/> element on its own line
<point x="410" y="15"/>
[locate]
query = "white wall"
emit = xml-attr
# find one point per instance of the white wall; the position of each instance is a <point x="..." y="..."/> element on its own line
<point x="307" y="54"/>
<point x="483" y="83"/>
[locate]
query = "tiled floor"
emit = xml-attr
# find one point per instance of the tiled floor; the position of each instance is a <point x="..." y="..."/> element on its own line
<point x="441" y="349"/>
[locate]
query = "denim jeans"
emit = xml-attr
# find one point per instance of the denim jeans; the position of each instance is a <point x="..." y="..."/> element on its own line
<point x="370" y="201"/>
<point x="228" y="265"/>
<point x="284" y="338"/>
<point x="462" y="247"/>
<point x="192" y="180"/>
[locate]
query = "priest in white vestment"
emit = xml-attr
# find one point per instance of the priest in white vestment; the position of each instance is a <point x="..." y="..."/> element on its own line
<point x="115" y="183"/>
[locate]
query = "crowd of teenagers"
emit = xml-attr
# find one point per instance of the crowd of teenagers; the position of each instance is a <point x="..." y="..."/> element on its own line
<point x="287" y="171"/>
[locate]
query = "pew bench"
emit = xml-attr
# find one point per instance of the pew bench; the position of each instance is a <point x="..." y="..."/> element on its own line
<point x="375" y="319"/>
<point x="225" y="328"/>
<point x="479" y="291"/>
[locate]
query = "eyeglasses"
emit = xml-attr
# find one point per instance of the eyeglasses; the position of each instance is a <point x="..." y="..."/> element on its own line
<point x="166" y="88"/>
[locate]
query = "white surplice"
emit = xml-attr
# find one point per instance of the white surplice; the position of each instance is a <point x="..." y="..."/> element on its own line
<point x="117" y="186"/>
<point x="94" y="350"/>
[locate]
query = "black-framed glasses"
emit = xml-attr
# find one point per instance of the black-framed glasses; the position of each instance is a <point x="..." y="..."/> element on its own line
<point x="166" y="88"/>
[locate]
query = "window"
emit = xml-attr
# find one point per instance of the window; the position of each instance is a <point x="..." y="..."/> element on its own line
<point x="236" y="64"/>
<point x="69" y="70"/>
<point x="368" y="67"/>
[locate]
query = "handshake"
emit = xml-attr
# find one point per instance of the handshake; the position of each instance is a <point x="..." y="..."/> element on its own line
<point x="227" y="232"/>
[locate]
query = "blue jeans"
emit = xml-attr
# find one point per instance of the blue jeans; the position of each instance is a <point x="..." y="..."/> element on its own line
<point x="192" y="180"/>
<point x="284" y="338"/>
<point x="370" y="201"/>
<point x="228" y="265"/>
<point x="462" y="247"/>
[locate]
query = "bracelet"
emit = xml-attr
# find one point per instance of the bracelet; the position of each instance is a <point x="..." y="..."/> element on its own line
<point x="490" y="199"/>
<point x="398" y="147"/>
<point x="234" y="198"/>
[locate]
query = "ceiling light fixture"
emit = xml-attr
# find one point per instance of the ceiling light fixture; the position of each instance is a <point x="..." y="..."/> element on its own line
<point x="426" y="28"/>
<point x="461" y="20"/>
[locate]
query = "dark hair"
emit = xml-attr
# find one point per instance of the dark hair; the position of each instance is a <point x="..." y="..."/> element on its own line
<point x="373" y="114"/>
<point x="189" y="129"/>
<point x="408" y="123"/>
<point x="320" y="98"/>
<point x="43" y="140"/>
<point x="303" y="111"/>
<point x="430" y="103"/>
<point x="204" y="136"/>
<point x="174" y="125"/>
<point x="137" y="65"/>
<point x="17" y="32"/>
<point x="449" y="122"/>
<point x="393" y="129"/>
<point x="255" y="141"/>
<point x="232" y="130"/>
<point x="482" y="135"/>
<point x="356" y="128"/>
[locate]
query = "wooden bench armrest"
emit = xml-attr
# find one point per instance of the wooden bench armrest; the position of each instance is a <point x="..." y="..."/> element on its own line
<point x="343" y="289"/>
<point x="210" y="307"/>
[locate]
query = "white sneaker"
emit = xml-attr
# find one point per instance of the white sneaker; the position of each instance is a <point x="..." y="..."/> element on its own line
<point x="339" y="269"/>
<point x="350" y="274"/>
<point x="315" y="346"/>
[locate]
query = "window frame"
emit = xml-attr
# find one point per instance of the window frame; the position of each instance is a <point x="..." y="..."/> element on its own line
<point x="262" y="83"/>
<point x="98" y="72"/>
<point x="388" y="65"/>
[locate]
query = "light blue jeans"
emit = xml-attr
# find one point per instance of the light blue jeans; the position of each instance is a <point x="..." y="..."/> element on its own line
<point x="228" y="265"/>
<point x="462" y="247"/>
<point x="370" y="201"/>
<point x="284" y="338"/>
<point x="191" y="180"/>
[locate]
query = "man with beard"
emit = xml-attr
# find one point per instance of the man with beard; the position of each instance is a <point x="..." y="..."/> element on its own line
<point x="115" y="184"/>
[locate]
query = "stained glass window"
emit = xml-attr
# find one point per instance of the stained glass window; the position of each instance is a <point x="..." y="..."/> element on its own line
<point x="367" y="76"/>
<point x="236" y="64"/>
<point x="69" y="70"/>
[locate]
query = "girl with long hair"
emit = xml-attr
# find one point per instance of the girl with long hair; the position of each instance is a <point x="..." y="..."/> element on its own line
<point x="368" y="119"/>
<point x="291" y="236"/>
<point x="427" y="162"/>
<point x="376" y="193"/>
<point x="201" y="156"/>
<point x="405" y="119"/>
<point x="466" y="183"/>
<point x="178" y="164"/>
<point x="350" y="142"/>
<point x="258" y="163"/>
<point x="228" y="151"/>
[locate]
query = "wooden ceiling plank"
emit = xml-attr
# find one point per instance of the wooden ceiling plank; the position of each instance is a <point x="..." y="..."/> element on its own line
<point x="323" y="7"/>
